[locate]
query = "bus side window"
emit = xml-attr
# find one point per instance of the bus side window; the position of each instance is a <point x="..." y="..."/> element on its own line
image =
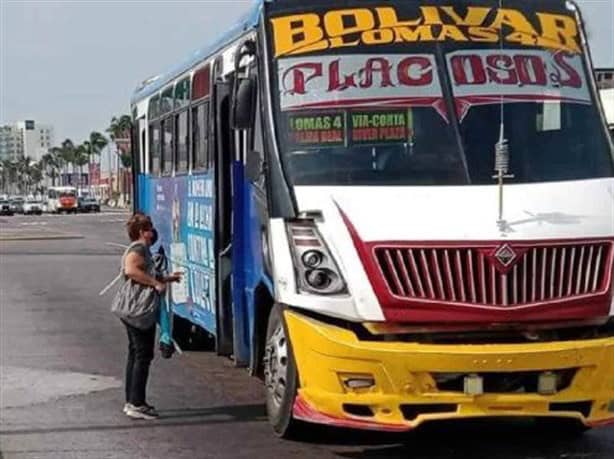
<point x="200" y="137"/>
<point x="181" y="141"/>
<point x="167" y="146"/>
<point x="154" y="148"/>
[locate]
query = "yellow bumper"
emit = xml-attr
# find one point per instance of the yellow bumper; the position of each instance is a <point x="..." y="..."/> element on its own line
<point x="327" y="356"/>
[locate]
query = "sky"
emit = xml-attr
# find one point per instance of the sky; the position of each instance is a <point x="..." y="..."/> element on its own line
<point x="75" y="64"/>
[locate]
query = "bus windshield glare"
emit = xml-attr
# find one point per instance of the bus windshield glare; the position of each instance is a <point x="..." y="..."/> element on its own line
<point x="407" y="93"/>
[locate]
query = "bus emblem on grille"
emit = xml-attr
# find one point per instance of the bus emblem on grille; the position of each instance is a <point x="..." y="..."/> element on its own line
<point x="505" y="255"/>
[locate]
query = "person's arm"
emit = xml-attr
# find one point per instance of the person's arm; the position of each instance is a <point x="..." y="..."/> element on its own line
<point x="175" y="277"/>
<point x="134" y="268"/>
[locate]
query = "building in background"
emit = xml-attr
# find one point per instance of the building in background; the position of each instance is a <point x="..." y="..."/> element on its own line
<point x="11" y="144"/>
<point x="25" y="138"/>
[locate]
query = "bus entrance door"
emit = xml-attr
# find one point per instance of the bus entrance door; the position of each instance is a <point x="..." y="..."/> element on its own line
<point x="224" y="154"/>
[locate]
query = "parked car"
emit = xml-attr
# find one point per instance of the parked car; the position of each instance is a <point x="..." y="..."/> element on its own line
<point x="5" y="207"/>
<point x="33" y="206"/>
<point x="88" y="204"/>
<point x="17" y="204"/>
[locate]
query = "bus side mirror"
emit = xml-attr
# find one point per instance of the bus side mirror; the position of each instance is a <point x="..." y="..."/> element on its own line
<point x="254" y="166"/>
<point x="244" y="103"/>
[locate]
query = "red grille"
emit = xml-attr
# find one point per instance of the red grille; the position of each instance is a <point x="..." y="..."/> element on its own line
<point x="470" y="276"/>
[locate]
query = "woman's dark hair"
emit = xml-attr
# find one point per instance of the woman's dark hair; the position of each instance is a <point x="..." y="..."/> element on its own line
<point x="155" y="236"/>
<point x="137" y="223"/>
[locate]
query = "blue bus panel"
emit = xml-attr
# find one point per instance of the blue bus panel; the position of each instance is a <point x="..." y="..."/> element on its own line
<point x="182" y="211"/>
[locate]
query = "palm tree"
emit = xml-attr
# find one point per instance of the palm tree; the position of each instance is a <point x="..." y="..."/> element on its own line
<point x="94" y="146"/>
<point x="9" y="174"/>
<point x="52" y="164"/>
<point x="120" y="127"/>
<point x="23" y="171"/>
<point x="81" y="157"/>
<point x="119" y="130"/>
<point x="36" y="173"/>
<point x="67" y="154"/>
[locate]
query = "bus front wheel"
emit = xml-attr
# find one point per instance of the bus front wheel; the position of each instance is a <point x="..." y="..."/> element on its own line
<point x="280" y="376"/>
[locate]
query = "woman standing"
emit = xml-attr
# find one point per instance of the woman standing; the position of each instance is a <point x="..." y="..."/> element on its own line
<point x="140" y="321"/>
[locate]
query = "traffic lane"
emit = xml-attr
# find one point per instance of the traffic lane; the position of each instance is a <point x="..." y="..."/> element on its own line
<point x="97" y="227"/>
<point x="55" y="330"/>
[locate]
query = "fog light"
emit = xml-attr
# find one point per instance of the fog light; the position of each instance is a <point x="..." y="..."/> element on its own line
<point x="546" y="383"/>
<point x="474" y="385"/>
<point x="359" y="383"/>
<point x="319" y="279"/>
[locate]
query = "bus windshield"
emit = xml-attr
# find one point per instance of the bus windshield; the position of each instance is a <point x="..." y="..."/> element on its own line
<point x="407" y="93"/>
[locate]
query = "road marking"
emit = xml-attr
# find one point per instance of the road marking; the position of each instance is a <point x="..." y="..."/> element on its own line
<point x="115" y="244"/>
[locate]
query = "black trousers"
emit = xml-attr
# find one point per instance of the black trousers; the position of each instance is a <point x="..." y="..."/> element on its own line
<point x="140" y="354"/>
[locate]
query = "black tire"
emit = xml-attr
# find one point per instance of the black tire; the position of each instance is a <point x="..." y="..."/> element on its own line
<point x="280" y="377"/>
<point x="561" y="426"/>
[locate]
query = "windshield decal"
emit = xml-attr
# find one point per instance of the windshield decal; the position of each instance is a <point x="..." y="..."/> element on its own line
<point x="483" y="77"/>
<point x="352" y="128"/>
<point x="359" y="80"/>
<point x="380" y="127"/>
<point x="316" y="129"/>
<point x="298" y="34"/>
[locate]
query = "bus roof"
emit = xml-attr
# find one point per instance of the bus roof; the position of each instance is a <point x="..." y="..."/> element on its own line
<point x="154" y="84"/>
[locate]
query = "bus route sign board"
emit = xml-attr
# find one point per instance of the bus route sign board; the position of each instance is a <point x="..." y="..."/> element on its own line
<point x="317" y="129"/>
<point x="381" y="126"/>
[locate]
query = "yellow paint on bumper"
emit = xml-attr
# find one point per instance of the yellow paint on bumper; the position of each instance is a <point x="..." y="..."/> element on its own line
<point x="326" y="354"/>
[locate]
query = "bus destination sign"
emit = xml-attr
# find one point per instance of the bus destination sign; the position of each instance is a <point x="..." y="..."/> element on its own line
<point x="319" y="129"/>
<point x="379" y="126"/>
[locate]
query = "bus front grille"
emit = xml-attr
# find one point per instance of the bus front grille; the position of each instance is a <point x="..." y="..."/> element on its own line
<point x="498" y="275"/>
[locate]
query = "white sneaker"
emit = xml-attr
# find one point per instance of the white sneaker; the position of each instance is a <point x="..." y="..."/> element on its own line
<point x="127" y="406"/>
<point x="141" y="412"/>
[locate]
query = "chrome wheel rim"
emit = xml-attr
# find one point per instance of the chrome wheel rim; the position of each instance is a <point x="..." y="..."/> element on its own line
<point x="276" y="366"/>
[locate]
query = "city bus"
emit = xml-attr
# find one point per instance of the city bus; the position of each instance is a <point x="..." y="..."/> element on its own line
<point x="392" y="212"/>
<point x="62" y="199"/>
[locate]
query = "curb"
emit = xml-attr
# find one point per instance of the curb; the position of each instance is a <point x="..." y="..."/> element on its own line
<point x="42" y="237"/>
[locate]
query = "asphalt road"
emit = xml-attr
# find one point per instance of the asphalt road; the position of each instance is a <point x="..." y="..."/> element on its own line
<point x="61" y="364"/>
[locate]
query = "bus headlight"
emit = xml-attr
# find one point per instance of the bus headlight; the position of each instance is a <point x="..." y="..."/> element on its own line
<point x="320" y="279"/>
<point x="316" y="270"/>
<point x="312" y="258"/>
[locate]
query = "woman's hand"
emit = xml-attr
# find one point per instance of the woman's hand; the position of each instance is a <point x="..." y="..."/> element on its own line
<point x="175" y="277"/>
<point x="160" y="287"/>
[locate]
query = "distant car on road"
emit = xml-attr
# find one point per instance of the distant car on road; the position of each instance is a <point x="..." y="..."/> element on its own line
<point x="88" y="204"/>
<point x="33" y="206"/>
<point x="5" y="207"/>
<point x="17" y="203"/>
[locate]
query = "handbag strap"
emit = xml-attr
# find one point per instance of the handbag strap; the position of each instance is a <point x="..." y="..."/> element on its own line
<point x="121" y="269"/>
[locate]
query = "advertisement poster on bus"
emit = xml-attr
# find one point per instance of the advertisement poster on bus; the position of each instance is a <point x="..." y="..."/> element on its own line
<point x="183" y="216"/>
